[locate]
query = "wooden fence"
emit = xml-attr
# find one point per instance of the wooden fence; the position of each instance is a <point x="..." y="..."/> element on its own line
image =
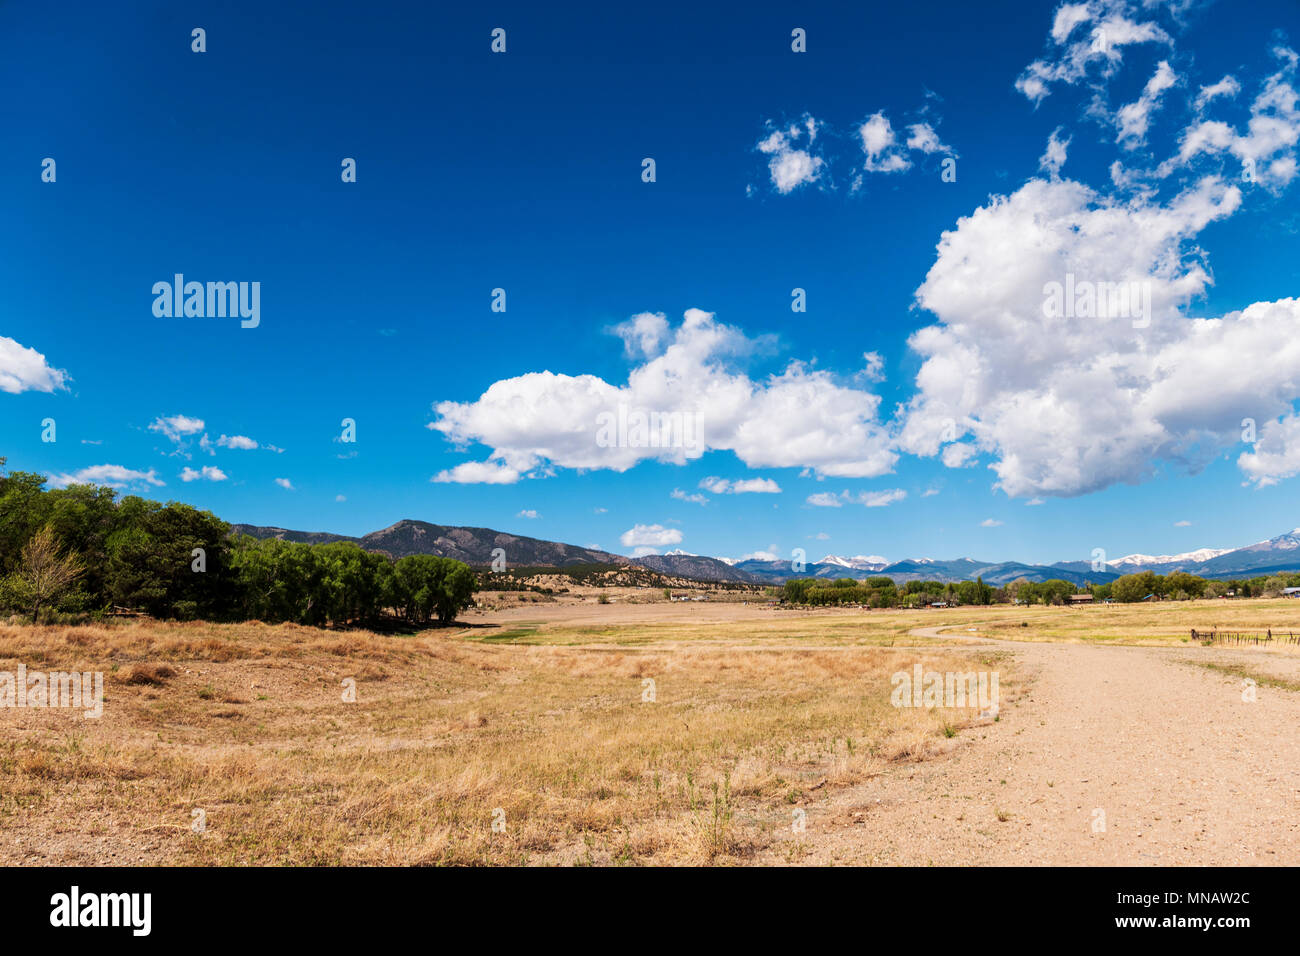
<point x="1240" y="637"/>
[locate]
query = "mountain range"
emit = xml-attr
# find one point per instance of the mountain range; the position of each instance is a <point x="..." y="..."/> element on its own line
<point x="476" y="546"/>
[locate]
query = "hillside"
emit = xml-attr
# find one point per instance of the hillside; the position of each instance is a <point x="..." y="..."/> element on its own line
<point x="474" y="546"/>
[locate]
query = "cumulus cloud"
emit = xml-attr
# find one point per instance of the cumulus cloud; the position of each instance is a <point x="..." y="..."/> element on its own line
<point x="284" y="483"/>
<point x="1277" y="453"/>
<point x="1071" y="403"/>
<point x="990" y="523"/>
<point x="790" y="165"/>
<point x="206" y="473"/>
<point x="115" y="476"/>
<point x="24" y="369"/>
<point x="528" y="513"/>
<point x="683" y="399"/>
<point x="650" y="536"/>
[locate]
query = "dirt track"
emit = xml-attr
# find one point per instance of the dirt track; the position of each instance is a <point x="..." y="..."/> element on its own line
<point x="1184" y="770"/>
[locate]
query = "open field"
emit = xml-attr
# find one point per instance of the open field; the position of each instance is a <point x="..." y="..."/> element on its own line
<point x="535" y="717"/>
<point x="247" y="724"/>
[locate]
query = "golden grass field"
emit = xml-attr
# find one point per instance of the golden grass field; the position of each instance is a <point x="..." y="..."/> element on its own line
<point x="533" y="717"/>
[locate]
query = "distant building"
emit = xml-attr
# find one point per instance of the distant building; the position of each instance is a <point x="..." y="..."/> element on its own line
<point x="1291" y="592"/>
<point x="1080" y="598"/>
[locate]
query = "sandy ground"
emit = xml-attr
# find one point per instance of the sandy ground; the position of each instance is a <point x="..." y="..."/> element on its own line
<point x="1118" y="755"/>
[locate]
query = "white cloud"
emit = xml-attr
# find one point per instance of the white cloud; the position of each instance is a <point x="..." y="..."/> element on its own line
<point x="1266" y="151"/>
<point x="1069" y="16"/>
<point x="990" y="523"/>
<point x="528" y="513"/>
<point x="1034" y="502"/>
<point x="1054" y="157"/>
<point x="24" y="369"/>
<point x="177" y="427"/>
<point x="479" y="472"/>
<point x="1134" y="118"/>
<point x="1277" y="453"/>
<point x="724" y="486"/>
<point x="958" y="455"/>
<point x="1070" y="405"/>
<point x="644" y="335"/>
<point x="769" y="554"/>
<point x="284" y="483"/>
<point x="242" y="442"/>
<point x="1228" y="86"/>
<point x="790" y="166"/>
<point x="340" y="498"/>
<point x="922" y="137"/>
<point x="874" y="368"/>
<point x="880" y="499"/>
<point x="115" y="476"/>
<point x="650" y="536"/>
<point x="879" y="145"/>
<point x="692" y="498"/>
<point x="801" y="417"/>
<point x="1182" y="524"/>
<point x="825" y="499"/>
<point x="868" y="499"/>
<point x="206" y="473"/>
<point x="1093" y="54"/>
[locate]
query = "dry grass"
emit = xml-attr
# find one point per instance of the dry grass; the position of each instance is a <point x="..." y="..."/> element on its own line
<point x="1164" y="622"/>
<point x="247" y="723"/>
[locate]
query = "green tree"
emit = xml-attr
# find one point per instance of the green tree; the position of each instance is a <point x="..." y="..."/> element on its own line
<point x="44" y="573"/>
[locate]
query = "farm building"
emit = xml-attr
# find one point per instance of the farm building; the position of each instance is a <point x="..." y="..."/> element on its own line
<point x="1080" y="599"/>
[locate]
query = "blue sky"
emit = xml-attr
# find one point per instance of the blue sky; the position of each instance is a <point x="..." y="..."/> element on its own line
<point x="523" y="171"/>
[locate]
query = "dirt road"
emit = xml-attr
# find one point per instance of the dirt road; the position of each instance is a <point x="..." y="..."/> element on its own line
<point x="1117" y="755"/>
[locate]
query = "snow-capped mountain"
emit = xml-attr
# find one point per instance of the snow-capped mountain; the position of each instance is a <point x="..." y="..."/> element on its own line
<point x="859" y="562"/>
<point x="1187" y="557"/>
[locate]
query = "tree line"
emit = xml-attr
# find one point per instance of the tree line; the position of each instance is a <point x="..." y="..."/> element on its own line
<point x="883" y="592"/>
<point x="82" y="550"/>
